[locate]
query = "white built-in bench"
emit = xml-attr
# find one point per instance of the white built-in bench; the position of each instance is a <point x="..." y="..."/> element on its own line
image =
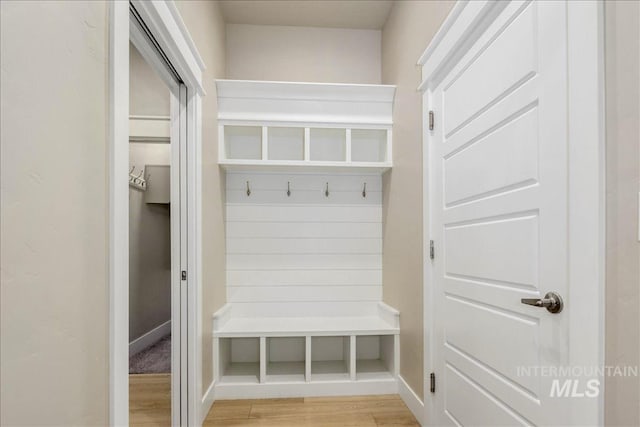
<point x="285" y="356"/>
<point x="303" y="193"/>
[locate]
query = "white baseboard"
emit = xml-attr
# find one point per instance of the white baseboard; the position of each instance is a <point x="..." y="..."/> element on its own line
<point x="317" y="389"/>
<point x="207" y="401"/>
<point x="411" y="399"/>
<point x="150" y="338"/>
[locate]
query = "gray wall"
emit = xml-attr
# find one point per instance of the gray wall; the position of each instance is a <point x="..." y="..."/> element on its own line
<point x="149" y="224"/>
<point x="622" y="34"/>
<point x="149" y="249"/>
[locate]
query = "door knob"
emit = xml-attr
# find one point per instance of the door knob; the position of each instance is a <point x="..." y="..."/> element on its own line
<point x="552" y="301"/>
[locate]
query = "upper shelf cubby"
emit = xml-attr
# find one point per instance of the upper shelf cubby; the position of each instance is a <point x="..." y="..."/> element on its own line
<point x="304" y="126"/>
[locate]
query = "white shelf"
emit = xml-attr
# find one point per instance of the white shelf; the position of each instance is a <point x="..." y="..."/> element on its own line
<point x="310" y="126"/>
<point x="303" y="166"/>
<point x="285" y="372"/>
<point x="242" y="373"/>
<point x="301" y="326"/>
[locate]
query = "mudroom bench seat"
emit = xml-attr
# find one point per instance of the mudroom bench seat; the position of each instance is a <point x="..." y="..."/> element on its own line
<point x="271" y="350"/>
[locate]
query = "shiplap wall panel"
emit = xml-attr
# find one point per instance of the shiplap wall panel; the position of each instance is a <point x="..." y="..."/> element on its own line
<point x="306" y="247"/>
<point x="238" y="212"/>
<point x="303" y="246"/>
<point x="295" y="261"/>
<point x="303" y="293"/>
<point x="299" y="196"/>
<point x="303" y="278"/>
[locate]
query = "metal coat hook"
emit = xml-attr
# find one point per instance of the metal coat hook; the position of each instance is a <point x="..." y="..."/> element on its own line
<point x="288" y="189"/>
<point x="364" y="190"/>
<point x="326" y="190"/>
<point x="248" y="189"/>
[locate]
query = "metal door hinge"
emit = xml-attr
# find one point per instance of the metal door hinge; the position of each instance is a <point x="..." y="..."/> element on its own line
<point x="431" y="120"/>
<point x="183" y="275"/>
<point x="432" y="377"/>
<point x="432" y="250"/>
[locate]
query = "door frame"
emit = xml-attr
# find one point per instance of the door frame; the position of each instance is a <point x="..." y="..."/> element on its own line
<point x="166" y="26"/>
<point x="586" y="177"/>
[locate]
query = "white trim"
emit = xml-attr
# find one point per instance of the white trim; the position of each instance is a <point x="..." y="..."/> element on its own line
<point x="150" y="129"/>
<point x="411" y="399"/>
<point x="118" y="213"/>
<point x="150" y="338"/>
<point x="303" y="389"/>
<point x="174" y="39"/>
<point x="587" y="198"/>
<point x="160" y="18"/>
<point x="207" y="402"/>
<point x="248" y="100"/>
<point x="458" y="33"/>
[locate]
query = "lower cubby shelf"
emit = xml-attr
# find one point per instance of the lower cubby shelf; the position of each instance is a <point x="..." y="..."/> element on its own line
<point x="330" y="358"/>
<point x="239" y="360"/>
<point x="304" y="360"/>
<point x="375" y="357"/>
<point x="285" y="359"/>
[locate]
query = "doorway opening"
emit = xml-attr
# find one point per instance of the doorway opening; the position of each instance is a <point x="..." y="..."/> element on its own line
<point x="150" y="243"/>
<point x="154" y="29"/>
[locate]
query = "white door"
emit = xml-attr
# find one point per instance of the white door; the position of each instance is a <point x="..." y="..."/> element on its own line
<point x="499" y="207"/>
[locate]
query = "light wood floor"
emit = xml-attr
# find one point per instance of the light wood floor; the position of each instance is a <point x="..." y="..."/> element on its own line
<point x="150" y="405"/>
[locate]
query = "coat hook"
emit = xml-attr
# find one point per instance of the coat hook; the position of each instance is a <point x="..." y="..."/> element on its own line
<point x="326" y="190"/>
<point x="288" y="189"/>
<point x="132" y="169"/>
<point x="364" y="190"/>
<point x="137" y="179"/>
<point x="248" y="189"/>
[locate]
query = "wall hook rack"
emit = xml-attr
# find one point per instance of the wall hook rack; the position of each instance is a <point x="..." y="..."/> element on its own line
<point x="364" y="190"/>
<point x="248" y="189"/>
<point x="326" y="190"/>
<point x="137" y="181"/>
<point x="288" y="189"/>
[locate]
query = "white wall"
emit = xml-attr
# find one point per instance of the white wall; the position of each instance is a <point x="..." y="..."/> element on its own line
<point x="305" y="247"/>
<point x="306" y="54"/>
<point x="54" y="215"/>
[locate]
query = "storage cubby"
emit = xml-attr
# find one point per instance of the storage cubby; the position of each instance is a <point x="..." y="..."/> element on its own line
<point x="240" y="360"/>
<point x="328" y="144"/>
<point x="285" y="359"/>
<point x="374" y="357"/>
<point x="243" y="142"/>
<point x="368" y="145"/>
<point x="286" y="143"/>
<point x="330" y="358"/>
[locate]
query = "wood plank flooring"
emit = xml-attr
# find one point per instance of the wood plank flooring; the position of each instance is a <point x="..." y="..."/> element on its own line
<point x="150" y="404"/>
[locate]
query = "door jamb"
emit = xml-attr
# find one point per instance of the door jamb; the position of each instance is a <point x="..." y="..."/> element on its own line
<point x="167" y="27"/>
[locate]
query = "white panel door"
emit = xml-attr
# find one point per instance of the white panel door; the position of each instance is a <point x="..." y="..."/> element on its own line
<point x="499" y="221"/>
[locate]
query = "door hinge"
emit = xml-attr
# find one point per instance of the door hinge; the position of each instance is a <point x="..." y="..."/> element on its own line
<point x="432" y="387"/>
<point x="432" y="250"/>
<point x="183" y="275"/>
<point x="431" y="120"/>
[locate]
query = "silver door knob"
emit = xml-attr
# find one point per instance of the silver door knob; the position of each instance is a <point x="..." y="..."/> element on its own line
<point x="552" y="301"/>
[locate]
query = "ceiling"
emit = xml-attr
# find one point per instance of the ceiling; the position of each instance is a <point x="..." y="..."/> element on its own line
<point x="360" y="14"/>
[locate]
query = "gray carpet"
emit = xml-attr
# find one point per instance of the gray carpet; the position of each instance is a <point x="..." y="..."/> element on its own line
<point x="153" y="360"/>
